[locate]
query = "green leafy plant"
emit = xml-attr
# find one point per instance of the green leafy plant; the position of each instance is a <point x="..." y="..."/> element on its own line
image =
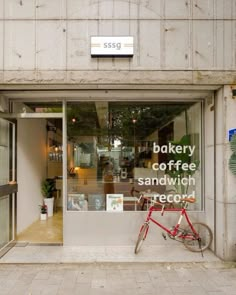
<point x="47" y="188"/>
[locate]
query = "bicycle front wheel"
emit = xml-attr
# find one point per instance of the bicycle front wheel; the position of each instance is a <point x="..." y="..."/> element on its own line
<point x="200" y="242"/>
<point x="141" y="237"/>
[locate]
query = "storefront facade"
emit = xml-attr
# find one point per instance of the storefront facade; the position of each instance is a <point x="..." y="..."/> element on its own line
<point x="113" y="117"/>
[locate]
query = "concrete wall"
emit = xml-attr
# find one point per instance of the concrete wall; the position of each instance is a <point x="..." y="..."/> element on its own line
<point x="31" y="169"/>
<point x="49" y="41"/>
<point x="225" y="180"/>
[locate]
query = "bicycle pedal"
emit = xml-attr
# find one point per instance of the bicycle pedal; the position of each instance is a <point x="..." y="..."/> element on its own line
<point x="164" y="236"/>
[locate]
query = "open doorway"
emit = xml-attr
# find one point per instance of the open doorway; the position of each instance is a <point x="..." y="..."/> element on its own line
<point x="39" y="159"/>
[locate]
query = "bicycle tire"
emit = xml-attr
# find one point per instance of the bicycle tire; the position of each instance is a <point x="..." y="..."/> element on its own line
<point x="205" y="234"/>
<point x="141" y="237"/>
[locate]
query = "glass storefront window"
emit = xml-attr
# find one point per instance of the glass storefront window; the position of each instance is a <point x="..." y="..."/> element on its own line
<point x="117" y="150"/>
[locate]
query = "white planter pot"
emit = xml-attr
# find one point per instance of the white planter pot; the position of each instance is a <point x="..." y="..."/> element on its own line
<point x="43" y="216"/>
<point x="49" y="203"/>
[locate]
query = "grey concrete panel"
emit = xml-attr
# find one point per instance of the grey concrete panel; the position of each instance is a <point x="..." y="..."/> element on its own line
<point x="221" y="234"/>
<point x="203" y="45"/>
<point x="225" y="9"/>
<point x="230" y="108"/>
<point x="229" y="47"/>
<point x="19" y="9"/>
<point x="135" y="32"/>
<point x="123" y="28"/>
<point x="121" y="9"/>
<point x="209" y="122"/>
<point x="209" y="171"/>
<point x="220" y="113"/>
<point x="105" y="28"/>
<point x="225" y="235"/>
<point x="209" y="214"/>
<point x="130" y="77"/>
<point x="78" y="45"/>
<point x="19" y="46"/>
<point x="214" y="77"/>
<point x="1" y="9"/>
<point x="177" y="9"/>
<point x="21" y="77"/>
<point x="149" y="9"/>
<point x="231" y="183"/>
<point x="140" y="78"/>
<point x="106" y="9"/>
<point x="145" y="9"/>
<point x="148" y="44"/>
<point x="133" y="9"/>
<point x="1" y="45"/>
<point x="203" y="9"/>
<point x="177" y="45"/>
<point x="53" y="9"/>
<point x="48" y="77"/>
<point x="125" y="9"/>
<point x="34" y="77"/>
<point x="82" y="9"/>
<point x="231" y="238"/>
<point x="220" y="173"/>
<point x="52" y="53"/>
<point x="219" y="45"/>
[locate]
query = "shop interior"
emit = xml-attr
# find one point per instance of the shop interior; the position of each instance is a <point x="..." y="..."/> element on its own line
<point x="110" y="147"/>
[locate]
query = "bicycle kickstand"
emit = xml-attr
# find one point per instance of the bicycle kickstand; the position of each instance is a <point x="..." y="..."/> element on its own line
<point x="200" y="246"/>
<point x="164" y="236"/>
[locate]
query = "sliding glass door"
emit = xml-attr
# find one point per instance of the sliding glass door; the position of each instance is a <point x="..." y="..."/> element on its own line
<point x="8" y="186"/>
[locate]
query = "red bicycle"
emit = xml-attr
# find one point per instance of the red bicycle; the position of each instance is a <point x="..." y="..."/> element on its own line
<point x="196" y="236"/>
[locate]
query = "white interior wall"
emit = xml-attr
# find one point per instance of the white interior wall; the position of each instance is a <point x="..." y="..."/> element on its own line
<point x="31" y="169"/>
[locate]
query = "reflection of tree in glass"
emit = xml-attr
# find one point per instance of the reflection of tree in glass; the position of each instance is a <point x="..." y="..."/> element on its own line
<point x="119" y="119"/>
<point x="184" y="157"/>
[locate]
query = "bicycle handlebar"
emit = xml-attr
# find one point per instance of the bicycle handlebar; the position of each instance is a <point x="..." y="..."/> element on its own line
<point x="154" y="202"/>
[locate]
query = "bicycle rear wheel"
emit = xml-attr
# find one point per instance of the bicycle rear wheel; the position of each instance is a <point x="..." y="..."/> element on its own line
<point x="141" y="237"/>
<point x="200" y="243"/>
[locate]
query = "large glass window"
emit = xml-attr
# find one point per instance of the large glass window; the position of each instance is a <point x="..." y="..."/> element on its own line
<point x="117" y="150"/>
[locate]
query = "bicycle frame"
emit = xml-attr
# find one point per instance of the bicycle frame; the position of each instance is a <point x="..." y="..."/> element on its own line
<point x="174" y="232"/>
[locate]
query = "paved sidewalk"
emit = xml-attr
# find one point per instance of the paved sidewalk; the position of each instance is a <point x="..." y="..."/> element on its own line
<point x="215" y="278"/>
<point x="23" y="253"/>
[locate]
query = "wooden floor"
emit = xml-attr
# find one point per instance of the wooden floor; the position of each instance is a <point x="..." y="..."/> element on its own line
<point x="48" y="231"/>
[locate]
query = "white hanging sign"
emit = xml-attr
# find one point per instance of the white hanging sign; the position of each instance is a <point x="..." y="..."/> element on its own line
<point x="112" y="46"/>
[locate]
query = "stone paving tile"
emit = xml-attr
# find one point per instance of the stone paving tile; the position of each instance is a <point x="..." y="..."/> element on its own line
<point x="84" y="276"/>
<point x="193" y="290"/>
<point x="118" y="278"/>
<point x="142" y="277"/>
<point x="66" y="254"/>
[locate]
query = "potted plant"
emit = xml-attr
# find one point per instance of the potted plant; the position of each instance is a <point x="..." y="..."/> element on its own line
<point x="43" y="212"/>
<point x="47" y="188"/>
